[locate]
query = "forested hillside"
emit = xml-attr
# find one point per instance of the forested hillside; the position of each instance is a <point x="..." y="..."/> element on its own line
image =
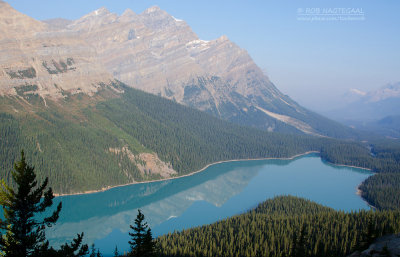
<point x="283" y="226"/>
<point x="383" y="189"/>
<point x="86" y="143"/>
<point x="71" y="141"/>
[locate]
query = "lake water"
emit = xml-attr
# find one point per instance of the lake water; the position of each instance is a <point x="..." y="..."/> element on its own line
<point x="220" y="191"/>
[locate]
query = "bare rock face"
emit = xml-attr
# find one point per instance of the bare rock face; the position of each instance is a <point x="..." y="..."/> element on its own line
<point x="157" y="53"/>
<point x="151" y="51"/>
<point x="57" y="24"/>
<point x="385" y="246"/>
<point x="144" y="51"/>
<point x="36" y="60"/>
<point x="14" y="24"/>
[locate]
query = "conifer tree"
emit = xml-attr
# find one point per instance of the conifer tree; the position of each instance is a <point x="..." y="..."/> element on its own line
<point x="24" y="233"/>
<point x="142" y="243"/>
<point x="74" y="249"/>
<point x="149" y="244"/>
<point x="116" y="253"/>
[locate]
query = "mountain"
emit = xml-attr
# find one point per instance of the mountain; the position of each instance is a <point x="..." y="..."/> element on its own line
<point x="57" y="23"/>
<point x="377" y="110"/>
<point x="85" y="130"/>
<point x="371" y="106"/>
<point x="388" y="126"/>
<point x="157" y="53"/>
<point x="45" y="63"/>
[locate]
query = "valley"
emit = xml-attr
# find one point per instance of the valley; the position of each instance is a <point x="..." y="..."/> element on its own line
<point x="123" y="113"/>
<point x="103" y="140"/>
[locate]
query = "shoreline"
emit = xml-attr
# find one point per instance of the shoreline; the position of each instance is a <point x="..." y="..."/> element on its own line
<point x="359" y="193"/>
<point x="185" y="175"/>
<point x="204" y="168"/>
<point x="349" y="166"/>
<point x="358" y="190"/>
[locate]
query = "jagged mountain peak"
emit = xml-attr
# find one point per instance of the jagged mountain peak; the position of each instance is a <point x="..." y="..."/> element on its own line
<point x="94" y="19"/>
<point x="128" y="12"/>
<point x="155" y="52"/>
<point x="127" y="16"/>
<point x="99" y="12"/>
<point x="158" y="19"/>
<point x="391" y="90"/>
<point x="222" y="38"/>
<point x="160" y="54"/>
<point x="152" y="9"/>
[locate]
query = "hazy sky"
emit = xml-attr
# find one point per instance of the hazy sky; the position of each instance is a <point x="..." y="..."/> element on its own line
<point x="314" y="62"/>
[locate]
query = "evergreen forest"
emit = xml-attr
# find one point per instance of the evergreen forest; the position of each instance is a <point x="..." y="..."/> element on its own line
<point x="70" y="141"/>
<point x="283" y="226"/>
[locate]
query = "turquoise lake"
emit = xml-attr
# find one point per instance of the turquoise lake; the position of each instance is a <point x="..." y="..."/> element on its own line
<point x="220" y="191"/>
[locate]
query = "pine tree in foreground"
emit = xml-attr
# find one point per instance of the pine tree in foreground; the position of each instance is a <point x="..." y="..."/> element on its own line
<point x="116" y="253"/>
<point x="142" y="244"/>
<point x="24" y="234"/>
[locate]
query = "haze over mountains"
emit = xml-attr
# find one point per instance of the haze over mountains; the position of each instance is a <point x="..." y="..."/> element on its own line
<point x="377" y="110"/>
<point x="151" y="51"/>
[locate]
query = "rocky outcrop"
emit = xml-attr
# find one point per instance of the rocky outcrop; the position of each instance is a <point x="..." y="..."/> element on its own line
<point x="147" y="163"/>
<point x="385" y="246"/>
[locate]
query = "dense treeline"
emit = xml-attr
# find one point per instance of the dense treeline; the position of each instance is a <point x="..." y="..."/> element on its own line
<point x="190" y="139"/>
<point x="73" y="157"/>
<point x="382" y="190"/>
<point x="70" y="142"/>
<point x="376" y="156"/>
<point x="73" y="149"/>
<point x="284" y="226"/>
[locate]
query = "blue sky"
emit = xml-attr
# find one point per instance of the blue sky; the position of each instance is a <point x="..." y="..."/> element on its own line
<point x="314" y="62"/>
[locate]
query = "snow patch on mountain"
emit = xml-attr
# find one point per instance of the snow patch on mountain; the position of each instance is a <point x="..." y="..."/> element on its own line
<point x="177" y="20"/>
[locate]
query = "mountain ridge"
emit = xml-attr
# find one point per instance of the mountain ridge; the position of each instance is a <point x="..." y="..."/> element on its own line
<point x="376" y="110"/>
<point x="157" y="53"/>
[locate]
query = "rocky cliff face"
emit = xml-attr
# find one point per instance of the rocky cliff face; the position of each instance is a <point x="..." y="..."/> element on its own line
<point x="157" y="53"/>
<point x="36" y="60"/>
<point x="385" y="246"/>
<point x="151" y="51"/>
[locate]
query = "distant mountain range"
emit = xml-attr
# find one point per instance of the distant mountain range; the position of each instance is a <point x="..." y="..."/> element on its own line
<point x="151" y="51"/>
<point x="377" y="110"/>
